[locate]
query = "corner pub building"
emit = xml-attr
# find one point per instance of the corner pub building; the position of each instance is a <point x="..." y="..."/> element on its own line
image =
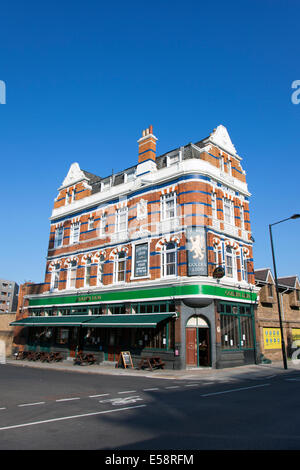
<point x="155" y="260"/>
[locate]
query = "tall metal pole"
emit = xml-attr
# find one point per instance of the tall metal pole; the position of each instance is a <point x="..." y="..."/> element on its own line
<point x="278" y="301"/>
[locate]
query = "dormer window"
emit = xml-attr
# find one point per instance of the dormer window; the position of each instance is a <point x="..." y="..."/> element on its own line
<point x="130" y="175"/>
<point x="173" y="159"/>
<point x="105" y="185"/>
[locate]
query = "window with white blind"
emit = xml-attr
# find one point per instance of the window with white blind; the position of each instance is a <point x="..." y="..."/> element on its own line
<point x="87" y="276"/>
<point x="55" y="277"/>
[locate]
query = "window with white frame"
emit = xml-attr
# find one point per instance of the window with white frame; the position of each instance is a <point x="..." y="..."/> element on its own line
<point x="172" y="159"/>
<point x="228" y="211"/>
<point x="68" y="197"/>
<point x="71" y="274"/>
<point x="230" y="261"/>
<point x="105" y="185"/>
<point x="229" y="167"/>
<point x="120" y="268"/>
<point x="55" y="276"/>
<point x="168" y="206"/>
<point x="214" y="205"/>
<point x="100" y="270"/>
<point x="58" y="240"/>
<point x="130" y="175"/>
<point x="221" y="159"/>
<point x="122" y="220"/>
<point x="75" y="233"/>
<point x="103" y="224"/>
<point x="73" y="195"/>
<point x="87" y="274"/>
<point x="244" y="266"/>
<point x="90" y="223"/>
<point x="169" y="260"/>
<point x="242" y="217"/>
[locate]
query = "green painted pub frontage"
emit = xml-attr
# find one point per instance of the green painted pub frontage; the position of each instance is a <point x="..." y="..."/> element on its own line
<point x="187" y="325"/>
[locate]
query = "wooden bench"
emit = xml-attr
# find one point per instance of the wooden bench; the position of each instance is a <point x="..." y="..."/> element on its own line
<point x="50" y="356"/>
<point x="151" y="363"/>
<point x="84" y="359"/>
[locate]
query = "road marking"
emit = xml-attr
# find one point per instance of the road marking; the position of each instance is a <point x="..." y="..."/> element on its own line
<point x="191" y="385"/>
<point x="33" y="404"/>
<point x="70" y="417"/>
<point x="150" y="389"/>
<point x="173" y="386"/>
<point x="234" y="390"/>
<point x="2" y="408"/>
<point x="68" y="399"/>
<point x="122" y="401"/>
<point x="293" y="380"/>
<point x="128" y="391"/>
<point x="101" y="395"/>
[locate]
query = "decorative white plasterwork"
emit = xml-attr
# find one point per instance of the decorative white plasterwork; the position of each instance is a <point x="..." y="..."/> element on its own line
<point x="75" y="174"/>
<point x="70" y="259"/>
<point x="221" y="138"/>
<point x="117" y="250"/>
<point x="142" y="211"/>
<point x="166" y="239"/>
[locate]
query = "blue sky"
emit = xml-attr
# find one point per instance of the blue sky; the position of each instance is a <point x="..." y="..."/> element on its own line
<point x="84" y="78"/>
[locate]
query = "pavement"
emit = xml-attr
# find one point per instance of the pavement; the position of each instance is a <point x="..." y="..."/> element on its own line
<point x="248" y="371"/>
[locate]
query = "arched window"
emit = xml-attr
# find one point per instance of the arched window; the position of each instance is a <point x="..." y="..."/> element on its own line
<point x="169" y="260"/>
<point x="120" y="267"/>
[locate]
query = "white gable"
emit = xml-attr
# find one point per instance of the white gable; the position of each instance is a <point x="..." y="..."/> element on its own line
<point x="74" y="175"/>
<point x="220" y="137"/>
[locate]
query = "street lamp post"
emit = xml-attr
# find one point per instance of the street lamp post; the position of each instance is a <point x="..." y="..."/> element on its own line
<point x="295" y="216"/>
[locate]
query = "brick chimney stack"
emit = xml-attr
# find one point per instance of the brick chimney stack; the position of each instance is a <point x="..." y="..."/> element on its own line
<point x="147" y="145"/>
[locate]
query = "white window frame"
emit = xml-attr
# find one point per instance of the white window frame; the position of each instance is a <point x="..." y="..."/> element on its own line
<point x="103" y="224"/>
<point x="242" y="216"/>
<point x="173" y="159"/>
<point x="164" y="260"/>
<point x="122" y="226"/>
<point x="54" y="285"/>
<point x="221" y="163"/>
<point x="91" y="222"/>
<point x="105" y="185"/>
<point x="230" y="267"/>
<point x="228" y="210"/>
<point x="165" y="199"/>
<point x="87" y="272"/>
<point x="100" y="270"/>
<point x="73" y="239"/>
<point x="72" y="268"/>
<point x="59" y="237"/>
<point x="214" y="205"/>
<point x="117" y="261"/>
<point x="129" y="175"/>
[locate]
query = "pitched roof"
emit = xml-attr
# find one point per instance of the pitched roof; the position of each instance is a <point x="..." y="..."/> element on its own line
<point x="262" y="274"/>
<point x="289" y="281"/>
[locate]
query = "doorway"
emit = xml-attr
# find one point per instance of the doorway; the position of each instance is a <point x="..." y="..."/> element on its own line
<point x="198" y="352"/>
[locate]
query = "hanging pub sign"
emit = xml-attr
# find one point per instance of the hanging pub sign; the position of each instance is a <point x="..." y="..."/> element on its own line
<point x="141" y="260"/>
<point x="196" y="251"/>
<point x="218" y="272"/>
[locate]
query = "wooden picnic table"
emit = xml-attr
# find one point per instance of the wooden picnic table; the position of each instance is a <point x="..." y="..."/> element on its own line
<point x="153" y="362"/>
<point x="83" y="358"/>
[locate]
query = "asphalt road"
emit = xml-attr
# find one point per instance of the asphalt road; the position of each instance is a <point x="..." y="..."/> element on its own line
<point x="49" y="409"/>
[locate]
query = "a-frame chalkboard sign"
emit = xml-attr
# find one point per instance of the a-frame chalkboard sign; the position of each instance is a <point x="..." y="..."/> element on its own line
<point x="125" y="360"/>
